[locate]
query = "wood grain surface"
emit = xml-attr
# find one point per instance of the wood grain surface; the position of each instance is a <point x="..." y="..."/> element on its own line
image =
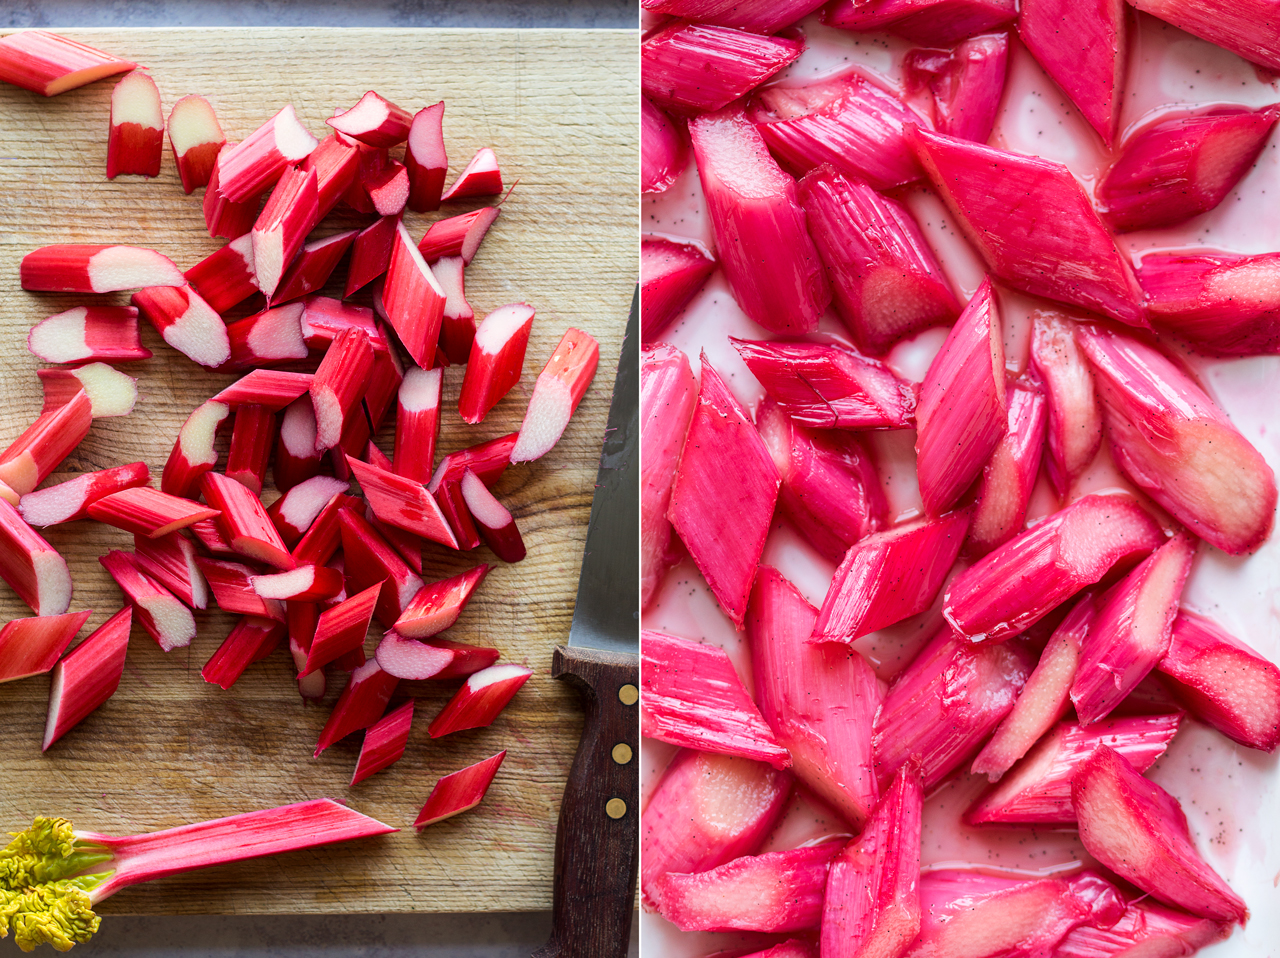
<point x="560" y="109"/>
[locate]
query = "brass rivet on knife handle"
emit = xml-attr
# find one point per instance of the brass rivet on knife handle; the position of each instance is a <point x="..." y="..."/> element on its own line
<point x="615" y="808"/>
<point x="628" y="695"/>
<point x="622" y="753"/>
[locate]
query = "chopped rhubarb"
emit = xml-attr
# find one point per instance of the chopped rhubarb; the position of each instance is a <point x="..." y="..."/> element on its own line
<point x="1037" y="789"/>
<point x="1026" y="216"/>
<point x="697" y="68"/>
<point x="459" y="235"/>
<point x="488" y="460"/>
<point x="1177" y="445"/>
<point x="437" y="605"/>
<point x="296" y="459"/>
<point x="252" y="437"/>
<point x="483" y="695"/>
<point x="1225" y="305"/>
<point x="336" y="165"/>
<point x="389" y="189"/>
<point x="1009" y="477"/>
<point x="88" y="333"/>
<point x="196" y="138"/>
<point x="233" y="591"/>
<point x="211" y="537"/>
<point x="340" y="382"/>
<point x="692" y="696"/>
<point x="361" y="704"/>
<point x="403" y="503"/>
<point x="453" y="505"/>
<point x="32" y="457"/>
<point x="663" y="153"/>
<point x="250" y="639"/>
<point x="342" y="629"/>
<point x="70" y="500"/>
<point x="758" y="16"/>
<point x="1245" y="27"/>
<point x="965" y="84"/>
<point x="225" y="278"/>
<point x="459" y="792"/>
<point x="48" y="64"/>
<point x="186" y="322"/>
<point x="369" y="160"/>
<point x="938" y="23"/>
<point x="556" y="394"/>
<point x="886" y="282"/>
<point x="757" y="219"/>
<point x="244" y="521"/>
<point x="171" y="561"/>
<point x="497" y="359"/>
<point x="425" y="158"/>
<point x="1145" y="928"/>
<point x="410" y="659"/>
<point x="313" y="266"/>
<point x="466" y="660"/>
<point x="223" y="217"/>
<point x="87" y="677"/>
<point x="273" y="388"/>
<point x="136" y="141"/>
<point x="251" y="167"/>
<point x="413" y="298"/>
<point x="282" y="227"/>
<point x="480" y="177"/>
<point x="31" y="566"/>
<point x="794" y="682"/>
<point x="307" y="583"/>
<point x="707" y="810"/>
<point x="162" y="614"/>
<point x="493" y="520"/>
<point x="295" y="511"/>
<point x="668" y="393"/>
<point x="374" y="120"/>
<point x="1075" y="419"/>
<point x="97" y="269"/>
<point x="371" y="560"/>
<point x="111" y="392"/>
<point x="1020" y="582"/>
<point x="417" y="423"/>
<point x="458" y="324"/>
<point x="324" y="537"/>
<point x="384" y="743"/>
<point x="670" y="273"/>
<point x="1223" y="682"/>
<point x="148" y="512"/>
<point x="33" y="646"/>
<point x="1139" y="831"/>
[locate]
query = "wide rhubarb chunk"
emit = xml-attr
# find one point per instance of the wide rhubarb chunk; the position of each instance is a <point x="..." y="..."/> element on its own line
<point x="1173" y="442"/>
<point x="1248" y="28"/>
<point x="1223" y="682"/>
<point x="1033" y="224"/>
<point x="1146" y="928"/>
<point x="1075" y="419"/>
<point x="796" y="680"/>
<point x="1009" y="477"/>
<point x="724" y="493"/>
<point x="670" y="273"/>
<point x="692" y="696"/>
<point x="1139" y="831"/>
<point x="964" y="84"/>
<point x="663" y="153"/>
<point x="760" y="230"/>
<point x="936" y="23"/>
<point x="1013" y="587"/>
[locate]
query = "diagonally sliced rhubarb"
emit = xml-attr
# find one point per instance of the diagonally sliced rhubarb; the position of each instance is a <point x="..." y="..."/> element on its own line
<point x="86" y="333"/>
<point x="413" y="299"/>
<point x="307" y="583"/>
<point x="171" y="561"/>
<point x="425" y="158"/>
<point x="295" y="511"/>
<point x="389" y="189"/>
<point x="313" y="266"/>
<point x="1075" y="419"/>
<point x="97" y="269"/>
<point x="361" y="703"/>
<point x="371" y="560"/>
<point x="458" y="325"/>
<point x="481" y="698"/>
<point x="497" y="359"/>
<point x="437" y="605"/>
<point x="324" y="537"/>
<point x="342" y="629"/>
<point x="223" y="217"/>
<point x="480" y="177"/>
<point x="148" y="512"/>
<point x="282" y="227"/>
<point x="937" y="23"/>
<point x="1004" y="491"/>
<point x="337" y="165"/>
<point x="225" y="278"/>
<point x="556" y="394"/>
<point x="48" y="64"/>
<point x="244" y="521"/>
<point x="417" y="423"/>
<point x="493" y="520"/>
<point x="296" y="459"/>
<point x="32" y="646"/>
<point x="252" y="166"/>
<point x="31" y="566"/>
<point x="340" y="381"/>
<point x="273" y="388"/>
<point x="196" y="138"/>
<point x="1245" y="27"/>
<point x="384" y="743"/>
<point x="459" y="235"/>
<point x="402" y="503"/>
<point x="410" y="659"/>
<point x="459" y="792"/>
<point x="162" y="614"/>
<point x="250" y="639"/>
<point x="87" y="677"/>
<point x="186" y="322"/>
<point x="32" y="457"/>
<point x="193" y="452"/>
<point x="136" y="141"/>
<point x="232" y="590"/>
<point x="70" y="500"/>
<point x="252" y="437"/>
<point x="965" y="84"/>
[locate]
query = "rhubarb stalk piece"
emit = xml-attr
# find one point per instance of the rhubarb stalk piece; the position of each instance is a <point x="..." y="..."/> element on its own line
<point x="437" y="605"/>
<point x="32" y="457"/>
<point x="225" y="278"/>
<point x="186" y="322"/>
<point x="417" y="424"/>
<point x="148" y="512"/>
<point x="724" y="531"/>
<point x="480" y="177"/>
<point x="794" y="682"/>
<point x="764" y="18"/>
<point x="458" y="324"/>
<point x="362" y="702"/>
<point x="1020" y="582"/>
<point x="96" y="269"/>
<point x="223" y="217"/>
<point x="296" y="458"/>
<point x="425" y="158"/>
<point x="668" y="393"/>
<point x="1075" y="420"/>
<point x="324" y="537"/>
<point x="1225" y="305"/>
<point x="964" y="84"/>
<point x="886" y="282"/>
<point x="374" y="120"/>
<point x="136" y="141"/>
<point x="233" y="591"/>
<point x="389" y="189"/>
<point x="193" y="452"/>
<point x="342" y="629"/>
<point x="663" y="153"/>
<point x="196" y="138"/>
<point x="697" y="68"/>
<point x="33" y="646"/>
<point x="403" y="503"/>
<point x="384" y="743"/>
<point x="371" y="560"/>
<point x="252" y="166"/>
<point x="1146" y="925"/>
<point x="250" y="639"/>
<point x="244" y="521"/>
<point x="336" y="165"/>
<point x="757" y="219"/>
<point x="307" y="583"/>
<point x="693" y="697"/>
<point x="313" y="266"/>
<point x="282" y="227"/>
<point x="87" y="677"/>
<point x="48" y="64"/>
<point x="459" y="792"/>
<point x="497" y="359"/>
<point x="410" y="659"/>
<point x="70" y="500"/>
<point x="32" y="567"/>
<point x="481" y="698"/>
<point x="488" y="460"/>
<point x="171" y="562"/>
<point x="936" y="23"/>
<point x="459" y="235"/>
<point x="1223" y="682"/>
<point x="1138" y="830"/>
<point x="1000" y="511"/>
<point x="413" y="299"/>
<point x="1173" y="442"/>
<point x="252" y="436"/>
<point x="88" y="333"/>
<point x="493" y="520"/>
<point x="1026" y="216"/>
<point x="162" y="614"/>
<point x="111" y="392"/>
<point x="466" y="659"/>
<point x="556" y="394"/>
<point x="1245" y="28"/>
<point x="340" y="382"/>
<point x="295" y="511"/>
<point x="670" y="274"/>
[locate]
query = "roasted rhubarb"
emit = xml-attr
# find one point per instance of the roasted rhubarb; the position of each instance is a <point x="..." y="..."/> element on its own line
<point x="938" y="23"/>
<point x="663" y="153"/>
<point x="1074" y="419"/>
<point x="965" y="84"/>
<point x="1004" y="491"/>
<point x="87" y="677"/>
<point x="670" y="274"/>
<point x="33" y="646"/>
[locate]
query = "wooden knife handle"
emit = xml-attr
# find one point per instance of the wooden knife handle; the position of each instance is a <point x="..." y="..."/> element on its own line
<point x="598" y="838"/>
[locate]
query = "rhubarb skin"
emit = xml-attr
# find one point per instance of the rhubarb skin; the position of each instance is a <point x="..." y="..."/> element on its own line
<point x="483" y="695"/>
<point x="1247" y="28"/>
<point x="229" y="581"/>
<point x="341" y="380"/>
<point x="668" y="392"/>
<point x="148" y="512"/>
<point x="723" y="528"/>
<point x="223" y="217"/>
<point x="707" y="810"/>
<point x="337" y="166"/>
<point x="670" y="274"/>
<point x="48" y="64"/>
<point x="830" y="489"/>
<point x="846" y="121"/>
<point x="1174" y="443"/>
<point x="70" y="500"/>
<point x="361" y="703"/>
<point x="775" y="892"/>
<point x="459" y="792"/>
<point x="693" y="697"/>
<point x="942" y="706"/>
<point x="1037" y="790"/>
<point x="889" y="576"/>
<point x="1027" y="216"/>
<point x="1000" y="510"/>
<point x="341" y="629"/>
<point x="225" y="278"/>
<point x="313" y="266"/>
<point x="1146" y="928"/>
<point x="829" y="386"/>
<point x="663" y="152"/>
<point x="497" y="359"/>
<point x="196" y="138"/>
<point x="872" y="906"/>
<point x="1223" y="682"/>
<point x="1016" y="585"/>
<point x="88" y="333"/>
<point x="33" y="646"/>
<point x="79" y="268"/>
<point x="296" y="459"/>
<point x="1138" y="830"/>
<point x="758" y="222"/>
<point x="795" y="681"/>
<point x="87" y="677"/>
<point x="886" y="282"/>
<point x="32" y="567"/>
<point x="963" y="411"/>
<point x="384" y="743"/>
<point x="1074" y="427"/>
<point x="559" y="388"/>
<point x="136" y="140"/>
<point x="1176" y="168"/>
<point x="403" y="503"/>
<point x="252" y="437"/>
<point x="1224" y="305"/>
<point x="698" y="68"/>
<point x="965" y="84"/>
<point x="936" y="23"/>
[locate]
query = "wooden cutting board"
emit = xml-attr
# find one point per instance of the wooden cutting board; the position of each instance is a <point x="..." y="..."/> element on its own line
<point x="560" y="109"/>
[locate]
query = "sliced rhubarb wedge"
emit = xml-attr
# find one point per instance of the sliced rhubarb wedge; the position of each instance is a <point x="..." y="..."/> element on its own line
<point x="887" y="283"/>
<point x="693" y="697"/>
<point x="1026" y="216"/>
<point x="1225" y="305"/>
<point x="97" y="269"/>
<point x="87" y="333"/>
<point x="872" y="905"/>
<point x="937" y="23"/>
<point x="724" y="531"/>
<point x="296" y="459"/>
<point x="410" y="659"/>
<point x="413" y="299"/>
<point x="459" y="235"/>
<point x="670" y="273"/>
<point x="493" y="520"/>
<point x="136" y="142"/>
<point x="459" y="792"/>
<point x="313" y="266"/>
<point x="340" y="382"/>
<point x="889" y="576"/>
<point x="467" y="659"/>
<point x="186" y="322"/>
<point x="1145" y="928"/>
<point x="458" y="325"/>
<point x="111" y="392"/>
<point x="940" y="707"/>
<point x="162" y="614"/>
<point x="337" y="165"/>
<point x="252" y="166"/>
<point x="196" y="138"/>
<point x="389" y="189"/>
<point x="148" y="512"/>
<point x="384" y="743"/>
<point x="342" y="629"/>
<point x="300" y="622"/>
<point x="362" y="703"/>
<point x="48" y="64"/>
<point x="252" y="438"/>
<point x="225" y="278"/>
<point x="488" y="460"/>
<point x="282" y="227"/>
<point x="417" y="423"/>
<point x="965" y="84"/>
<point x="1176" y="168"/>
<point x="70" y="500"/>
<point x="425" y="158"/>
<point x="307" y="583"/>
<point x="193" y="452"/>
<point x="1009" y="477"/>
<point x="1139" y="831"/>
<point x="481" y="698"/>
<point x="757" y="218"/>
<point x="696" y="68"/>
<point x="371" y="560"/>
<point x="250" y="639"/>
<point x="437" y="605"/>
<point x="402" y="503"/>
<point x="1223" y="682"/>
<point x="223" y="217"/>
<point x="1037" y="789"/>
<point x="171" y="561"/>
<point x="497" y="359"/>
<point x="963" y="411"/>
<point x="87" y="677"/>
<point x="1016" y="585"/>
<point x="33" y="646"/>
<point x="272" y="388"/>
<point x="794" y="679"/>
<point x="32" y="457"/>
<point x="1245" y="27"/>
<point x="374" y="120"/>
<point x="1177" y="445"/>
<point x="663" y="153"/>
<point x="244" y="521"/>
<point x="480" y="177"/>
<point x="773" y="892"/>
<point x="324" y="537"/>
<point x="31" y="566"/>
<point x="1075" y="419"/>
<point x="232" y="590"/>
<point x="295" y="511"/>
<point x="556" y="394"/>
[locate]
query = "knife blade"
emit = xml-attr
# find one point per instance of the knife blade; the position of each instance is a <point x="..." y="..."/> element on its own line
<point x="597" y="838"/>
